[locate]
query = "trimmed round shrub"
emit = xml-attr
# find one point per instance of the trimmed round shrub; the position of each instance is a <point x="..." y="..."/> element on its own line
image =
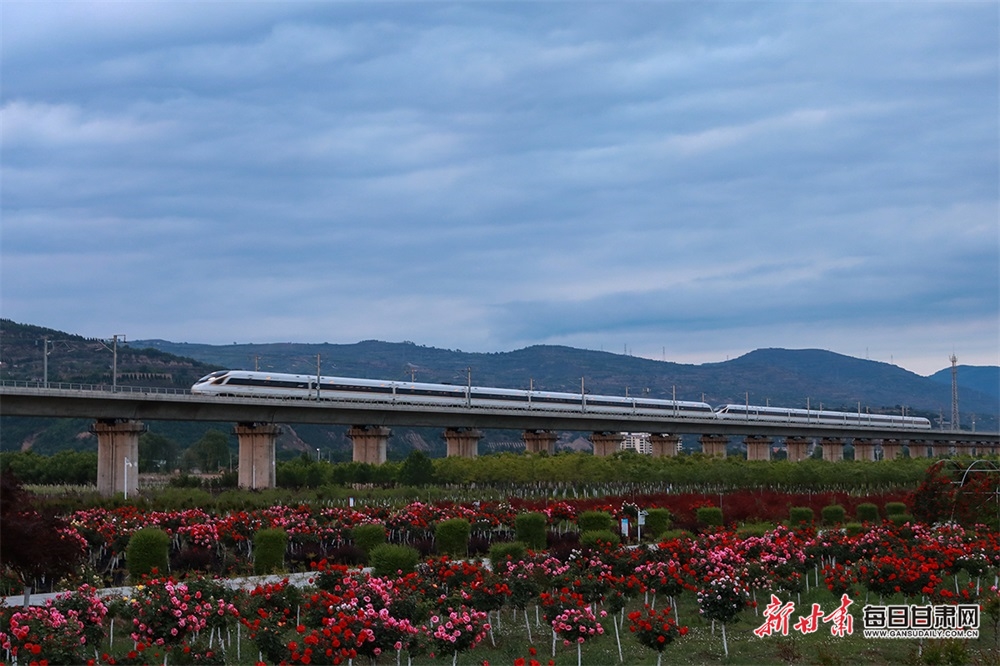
<point x="499" y="552"/>
<point x="657" y="522"/>
<point x="853" y="529"/>
<point x="900" y="518"/>
<point x="594" y="521"/>
<point x="833" y="514"/>
<point x="392" y="559"/>
<point x="599" y="538"/>
<point x="452" y="537"/>
<point x="800" y="515"/>
<point x="894" y="508"/>
<point x="148" y="549"/>
<point x="866" y="513"/>
<point x="529" y="528"/>
<point x="368" y="536"/>
<point x="709" y="516"/>
<point x="269" y="548"/>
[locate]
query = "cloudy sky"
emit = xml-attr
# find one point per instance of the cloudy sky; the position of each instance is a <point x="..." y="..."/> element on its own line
<point x="686" y="181"/>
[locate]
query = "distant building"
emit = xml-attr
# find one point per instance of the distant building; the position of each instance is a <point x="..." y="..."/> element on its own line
<point x="636" y="441"/>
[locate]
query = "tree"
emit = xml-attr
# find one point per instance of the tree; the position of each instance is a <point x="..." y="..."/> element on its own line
<point x="210" y="453"/>
<point x="417" y="469"/>
<point x="157" y="453"/>
<point x="34" y="544"/>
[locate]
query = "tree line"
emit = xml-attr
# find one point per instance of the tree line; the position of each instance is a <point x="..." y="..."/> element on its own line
<point x="212" y="452"/>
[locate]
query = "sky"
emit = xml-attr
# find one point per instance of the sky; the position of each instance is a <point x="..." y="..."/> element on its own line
<point x="681" y="181"/>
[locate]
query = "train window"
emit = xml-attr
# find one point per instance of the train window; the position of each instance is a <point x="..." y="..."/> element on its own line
<point x="621" y="403"/>
<point x="558" y="401"/>
<point x="498" y="396"/>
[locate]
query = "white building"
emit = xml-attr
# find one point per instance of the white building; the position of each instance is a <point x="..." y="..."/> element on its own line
<point x="636" y="441"/>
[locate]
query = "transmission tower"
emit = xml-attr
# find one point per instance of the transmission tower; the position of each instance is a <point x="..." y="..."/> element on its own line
<point x="954" y="392"/>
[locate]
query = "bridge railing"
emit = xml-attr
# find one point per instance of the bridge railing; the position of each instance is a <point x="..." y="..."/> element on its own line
<point x="107" y="388"/>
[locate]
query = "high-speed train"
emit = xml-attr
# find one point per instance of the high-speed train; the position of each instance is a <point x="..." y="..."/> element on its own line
<point x="243" y="383"/>
<point x="819" y="417"/>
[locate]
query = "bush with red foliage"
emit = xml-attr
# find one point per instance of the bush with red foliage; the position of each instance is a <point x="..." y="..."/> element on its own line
<point x="33" y="544"/>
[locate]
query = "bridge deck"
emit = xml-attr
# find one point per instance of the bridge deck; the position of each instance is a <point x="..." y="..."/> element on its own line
<point x="101" y="403"/>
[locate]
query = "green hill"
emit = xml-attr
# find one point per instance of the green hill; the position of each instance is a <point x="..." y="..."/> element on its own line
<point x="775" y="376"/>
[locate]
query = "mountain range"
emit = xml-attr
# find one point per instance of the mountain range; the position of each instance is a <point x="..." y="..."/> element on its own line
<point x="794" y="378"/>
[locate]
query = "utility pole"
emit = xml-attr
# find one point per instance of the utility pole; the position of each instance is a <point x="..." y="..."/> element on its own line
<point x="114" y="364"/>
<point x="114" y="354"/>
<point x="468" y="392"/>
<point x="317" y="391"/>
<point x="45" y="360"/>
<point x="954" y="392"/>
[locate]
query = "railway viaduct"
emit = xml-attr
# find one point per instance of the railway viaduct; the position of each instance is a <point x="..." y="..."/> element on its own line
<point x="119" y="417"/>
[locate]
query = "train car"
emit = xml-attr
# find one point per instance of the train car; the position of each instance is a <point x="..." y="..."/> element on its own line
<point x="820" y="417"/>
<point x="242" y="383"/>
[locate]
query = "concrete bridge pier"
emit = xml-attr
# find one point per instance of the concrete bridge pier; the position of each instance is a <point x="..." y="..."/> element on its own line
<point x="833" y="449"/>
<point x="540" y="441"/>
<point x="891" y="449"/>
<point x="256" y="456"/>
<point x="758" y="447"/>
<point x="606" y="443"/>
<point x="664" y="445"/>
<point x="370" y="443"/>
<point x="714" y="445"/>
<point x="864" y="448"/>
<point x="965" y="448"/>
<point x="118" y="455"/>
<point x="941" y="449"/>
<point x="797" y="448"/>
<point x="917" y="448"/>
<point x="462" y="442"/>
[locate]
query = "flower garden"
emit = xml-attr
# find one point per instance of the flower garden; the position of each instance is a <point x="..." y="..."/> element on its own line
<point x="774" y="583"/>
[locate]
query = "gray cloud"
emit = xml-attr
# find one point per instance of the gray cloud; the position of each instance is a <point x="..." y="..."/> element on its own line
<point x="485" y="176"/>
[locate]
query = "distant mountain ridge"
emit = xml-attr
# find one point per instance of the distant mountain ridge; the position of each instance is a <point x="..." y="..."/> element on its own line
<point x="982" y="378"/>
<point x="776" y="376"/>
<point x="786" y="377"/>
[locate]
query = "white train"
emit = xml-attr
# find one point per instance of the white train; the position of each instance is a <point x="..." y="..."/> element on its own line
<point x="243" y="383"/>
<point x="757" y="413"/>
<point x="275" y="385"/>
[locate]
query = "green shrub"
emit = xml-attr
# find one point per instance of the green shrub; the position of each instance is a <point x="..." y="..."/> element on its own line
<point x="148" y="549"/>
<point x="900" y="518"/>
<point x="599" y="538"/>
<point x="529" y="528"/>
<point x="594" y="521"/>
<point x="392" y="560"/>
<point x="709" y="516"/>
<point x="833" y="514"/>
<point x="673" y="534"/>
<point x="893" y="508"/>
<point x="657" y="522"/>
<point x="754" y="529"/>
<point x="800" y="515"/>
<point x="178" y="499"/>
<point x="867" y="513"/>
<point x="853" y="529"/>
<point x="499" y="552"/>
<point x="368" y="536"/>
<point x="452" y="537"/>
<point x="269" y="547"/>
